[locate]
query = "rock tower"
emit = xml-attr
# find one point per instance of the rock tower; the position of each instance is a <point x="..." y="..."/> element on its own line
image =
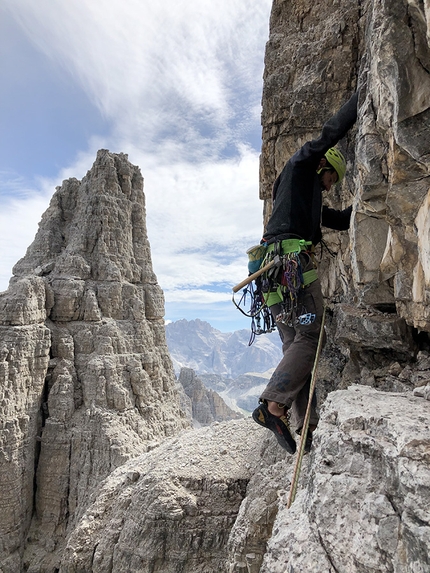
<point x="87" y="381"/>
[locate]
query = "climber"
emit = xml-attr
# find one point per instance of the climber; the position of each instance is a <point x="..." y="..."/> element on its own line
<point x="291" y="288"/>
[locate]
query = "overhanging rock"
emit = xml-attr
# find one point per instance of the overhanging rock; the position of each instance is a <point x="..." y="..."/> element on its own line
<point x="367" y="329"/>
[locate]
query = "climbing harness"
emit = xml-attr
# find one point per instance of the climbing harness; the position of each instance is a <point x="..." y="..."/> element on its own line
<point x="277" y="277"/>
<point x="304" y="433"/>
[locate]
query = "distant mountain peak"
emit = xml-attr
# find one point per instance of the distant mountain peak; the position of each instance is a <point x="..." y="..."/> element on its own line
<point x="198" y="345"/>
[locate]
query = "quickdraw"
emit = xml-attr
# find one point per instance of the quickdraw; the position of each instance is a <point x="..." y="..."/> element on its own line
<point x="262" y="321"/>
<point x="292" y="276"/>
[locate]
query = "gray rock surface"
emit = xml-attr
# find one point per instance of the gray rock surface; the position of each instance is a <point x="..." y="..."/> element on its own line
<point x="207" y="406"/>
<point x="86" y="377"/>
<point x="317" y="55"/>
<point x="365" y="497"/>
<point x="199" y="505"/>
<point x="171" y="509"/>
<point x="24" y="358"/>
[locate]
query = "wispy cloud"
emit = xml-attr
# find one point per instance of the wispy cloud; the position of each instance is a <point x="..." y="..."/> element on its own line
<point x="19" y="217"/>
<point x="157" y="68"/>
<point x="202" y="218"/>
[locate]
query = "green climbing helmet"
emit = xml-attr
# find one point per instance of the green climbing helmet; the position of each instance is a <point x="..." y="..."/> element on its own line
<point x="337" y="161"/>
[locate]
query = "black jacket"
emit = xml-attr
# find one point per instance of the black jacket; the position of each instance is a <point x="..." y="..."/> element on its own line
<point x="297" y="207"/>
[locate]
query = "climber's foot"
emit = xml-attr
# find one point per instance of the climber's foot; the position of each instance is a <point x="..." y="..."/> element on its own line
<point x="277" y="424"/>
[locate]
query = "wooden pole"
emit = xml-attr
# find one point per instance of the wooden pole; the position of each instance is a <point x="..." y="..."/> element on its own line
<point x="254" y="276"/>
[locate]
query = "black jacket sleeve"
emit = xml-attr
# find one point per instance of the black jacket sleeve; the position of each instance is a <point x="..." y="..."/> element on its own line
<point x="338" y="220"/>
<point x="333" y="131"/>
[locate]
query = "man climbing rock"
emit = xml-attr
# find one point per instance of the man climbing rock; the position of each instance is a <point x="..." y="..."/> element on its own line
<point x="291" y="287"/>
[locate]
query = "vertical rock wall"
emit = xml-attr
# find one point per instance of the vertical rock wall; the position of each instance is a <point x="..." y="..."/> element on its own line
<point x="317" y="55"/>
<point x="87" y="380"/>
<point x="363" y="498"/>
<point x="24" y="358"/>
<point x="393" y="162"/>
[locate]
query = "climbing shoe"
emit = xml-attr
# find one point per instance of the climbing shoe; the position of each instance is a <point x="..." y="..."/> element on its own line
<point x="308" y="443"/>
<point x="279" y="426"/>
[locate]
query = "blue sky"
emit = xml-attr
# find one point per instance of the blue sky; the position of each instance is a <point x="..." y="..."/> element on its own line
<point x="175" y="84"/>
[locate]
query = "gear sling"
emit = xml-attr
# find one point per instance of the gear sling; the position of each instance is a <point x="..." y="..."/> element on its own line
<point x="279" y="270"/>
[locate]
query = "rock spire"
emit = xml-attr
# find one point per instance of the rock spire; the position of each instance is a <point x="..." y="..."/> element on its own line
<point x="87" y="381"/>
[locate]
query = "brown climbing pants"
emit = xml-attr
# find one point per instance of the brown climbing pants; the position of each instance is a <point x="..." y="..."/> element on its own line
<point x="290" y="382"/>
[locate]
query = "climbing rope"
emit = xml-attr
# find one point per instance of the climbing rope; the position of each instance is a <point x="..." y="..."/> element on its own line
<point x="304" y="433"/>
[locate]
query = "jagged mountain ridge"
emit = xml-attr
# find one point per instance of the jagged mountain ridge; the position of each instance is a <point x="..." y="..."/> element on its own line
<point x="196" y="344"/>
<point x="202" y="404"/>
<point x="225" y="362"/>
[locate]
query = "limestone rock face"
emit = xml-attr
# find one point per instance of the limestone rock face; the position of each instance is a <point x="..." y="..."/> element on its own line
<point x="170" y="509"/>
<point x="253" y="528"/>
<point x="87" y="381"/>
<point x="24" y="359"/>
<point x="393" y="161"/>
<point x="206" y="405"/>
<point x="364" y="498"/>
<point x="317" y="55"/>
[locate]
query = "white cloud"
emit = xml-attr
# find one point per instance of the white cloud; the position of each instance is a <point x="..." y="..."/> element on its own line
<point x="19" y="219"/>
<point x="180" y="82"/>
<point x="156" y="67"/>
<point x="201" y="219"/>
<point x="203" y="296"/>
